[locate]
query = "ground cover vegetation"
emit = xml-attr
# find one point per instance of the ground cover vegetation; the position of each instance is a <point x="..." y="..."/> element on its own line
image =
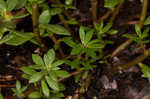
<point x="71" y="40"/>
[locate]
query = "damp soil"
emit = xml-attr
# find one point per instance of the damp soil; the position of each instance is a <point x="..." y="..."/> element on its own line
<point x="127" y="84"/>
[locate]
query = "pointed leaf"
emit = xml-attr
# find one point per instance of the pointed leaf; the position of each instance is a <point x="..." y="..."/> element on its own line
<point x="37" y="59"/>
<point x="45" y="88"/>
<point x="21" y="4"/>
<point x="111" y="3"/>
<point x="35" y="95"/>
<point x="146" y="71"/>
<point x="147" y="21"/>
<point x="45" y="17"/>
<point x="131" y="36"/>
<point x="49" y="57"/>
<point x="112" y="32"/>
<point x="52" y="83"/>
<point x="82" y="35"/>
<point x="107" y="27"/>
<point x="145" y="33"/>
<point x="36" y="77"/>
<point x="16" y="38"/>
<point x="11" y="4"/>
<point x="28" y="70"/>
<point x="57" y="29"/>
<point x="69" y="42"/>
<point x="76" y="50"/>
<point x="2" y="4"/>
<point x="57" y="63"/>
<point x="88" y="36"/>
<point x="138" y="30"/>
<point x="62" y="73"/>
<point x="95" y="44"/>
<point x="23" y="88"/>
<point x="18" y="85"/>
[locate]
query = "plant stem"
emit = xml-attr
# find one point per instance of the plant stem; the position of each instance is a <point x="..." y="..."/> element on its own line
<point x="94" y="9"/>
<point x="129" y="41"/>
<point x="36" y="27"/>
<point x="131" y="63"/>
<point x="105" y="16"/>
<point x="116" y="11"/>
<point x="57" y="43"/>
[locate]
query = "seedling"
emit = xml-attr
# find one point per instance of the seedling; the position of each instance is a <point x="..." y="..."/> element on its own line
<point x="18" y="91"/>
<point x="139" y="37"/>
<point x="46" y="70"/>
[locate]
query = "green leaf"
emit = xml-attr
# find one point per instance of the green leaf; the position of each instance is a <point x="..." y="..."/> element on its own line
<point x="55" y="11"/>
<point x="36" y="67"/>
<point x="16" y="38"/>
<point x="23" y="88"/>
<point x="21" y="4"/>
<point x="11" y="4"/>
<point x="138" y="30"/>
<point x="57" y="29"/>
<point x="70" y="7"/>
<point x="52" y="74"/>
<point x="62" y="73"/>
<point x="88" y="36"/>
<point x="26" y="76"/>
<point x="145" y="41"/>
<point x="146" y="71"/>
<point x="57" y="63"/>
<point x="2" y="4"/>
<point x="49" y="57"/>
<point x="100" y="28"/>
<point x="111" y="3"/>
<point x="72" y="22"/>
<point x="18" y="85"/>
<point x="95" y="44"/>
<point x="74" y="63"/>
<point x="95" y="25"/>
<point x="45" y="17"/>
<point x="36" y="77"/>
<point x="84" y="75"/>
<point x="92" y="53"/>
<point x="131" y="36"/>
<point x="76" y="49"/>
<point x="37" y="59"/>
<point x="45" y="88"/>
<point x="68" y="2"/>
<point x="112" y="32"/>
<point x="20" y="16"/>
<point x="52" y="83"/>
<point x="82" y="34"/>
<point x="35" y="95"/>
<point x="107" y="27"/>
<point x="145" y="33"/>
<point x="28" y="70"/>
<point x="77" y="78"/>
<point x="28" y="7"/>
<point x="69" y="42"/>
<point x="147" y="21"/>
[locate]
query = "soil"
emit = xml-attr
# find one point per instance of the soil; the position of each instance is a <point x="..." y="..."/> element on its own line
<point x="127" y="84"/>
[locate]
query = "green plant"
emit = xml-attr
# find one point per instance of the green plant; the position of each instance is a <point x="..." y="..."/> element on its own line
<point x="145" y="70"/>
<point x="81" y="52"/>
<point x="111" y="3"/>
<point x="45" y="70"/>
<point x="139" y="37"/>
<point x="19" y="90"/>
